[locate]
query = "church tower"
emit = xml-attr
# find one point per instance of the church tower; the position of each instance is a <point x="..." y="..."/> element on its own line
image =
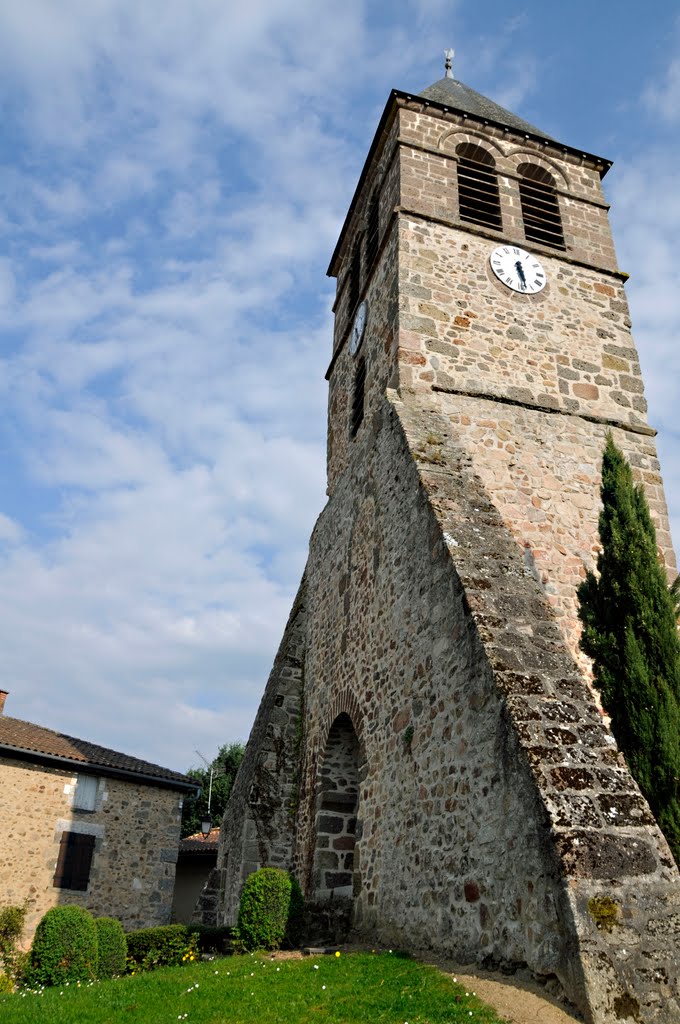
<point x="428" y="754"/>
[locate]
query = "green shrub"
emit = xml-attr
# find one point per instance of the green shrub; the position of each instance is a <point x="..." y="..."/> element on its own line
<point x="112" y="947"/>
<point x="6" y="985"/>
<point x="270" y="911"/>
<point x="64" y="947"/>
<point x="166" y="946"/>
<point x="12" y="920"/>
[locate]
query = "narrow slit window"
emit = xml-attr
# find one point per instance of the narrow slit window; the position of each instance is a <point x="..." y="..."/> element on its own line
<point x="540" y="206"/>
<point x="478" y="196"/>
<point x="358" y="397"/>
<point x="373" y="229"/>
<point x="355" y="277"/>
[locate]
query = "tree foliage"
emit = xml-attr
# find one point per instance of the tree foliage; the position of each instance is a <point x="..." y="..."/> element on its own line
<point x="224" y="766"/>
<point x="630" y="631"/>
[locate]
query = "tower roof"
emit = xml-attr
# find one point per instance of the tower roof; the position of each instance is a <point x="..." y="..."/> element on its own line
<point x="454" y="94"/>
<point x="451" y="95"/>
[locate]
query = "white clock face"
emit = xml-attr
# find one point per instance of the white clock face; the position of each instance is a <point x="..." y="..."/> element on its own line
<point x="518" y="269"/>
<point x="358" y="328"/>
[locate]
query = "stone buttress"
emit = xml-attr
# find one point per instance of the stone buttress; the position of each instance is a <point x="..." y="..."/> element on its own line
<point x="428" y="750"/>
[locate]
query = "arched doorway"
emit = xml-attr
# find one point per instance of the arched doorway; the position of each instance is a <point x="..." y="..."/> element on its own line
<point x="336" y="813"/>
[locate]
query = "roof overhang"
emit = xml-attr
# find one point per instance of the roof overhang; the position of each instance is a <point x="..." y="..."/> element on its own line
<point x="92" y="768"/>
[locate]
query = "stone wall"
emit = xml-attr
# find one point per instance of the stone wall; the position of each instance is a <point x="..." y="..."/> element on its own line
<point x="259" y="822"/>
<point x="136" y="829"/>
<point x="494" y="806"/>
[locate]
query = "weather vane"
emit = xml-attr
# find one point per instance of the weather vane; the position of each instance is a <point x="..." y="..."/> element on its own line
<point x="449" y="54"/>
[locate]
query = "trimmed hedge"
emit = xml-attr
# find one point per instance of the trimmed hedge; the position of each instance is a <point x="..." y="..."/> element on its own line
<point x="270" y="911"/>
<point x="65" y="947"/>
<point x="112" y="947"/>
<point x="165" y="946"/>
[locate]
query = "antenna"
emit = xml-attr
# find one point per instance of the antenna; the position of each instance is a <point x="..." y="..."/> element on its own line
<point x="210" y="767"/>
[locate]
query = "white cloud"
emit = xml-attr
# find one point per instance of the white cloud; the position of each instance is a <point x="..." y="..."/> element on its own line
<point x="663" y="98"/>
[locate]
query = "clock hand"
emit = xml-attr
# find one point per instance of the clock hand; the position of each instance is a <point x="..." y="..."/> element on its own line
<point x="520" y="273"/>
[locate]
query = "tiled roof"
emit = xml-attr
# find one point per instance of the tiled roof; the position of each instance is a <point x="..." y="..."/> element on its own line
<point x="25" y="737"/>
<point x="198" y="843"/>
<point x="451" y="93"/>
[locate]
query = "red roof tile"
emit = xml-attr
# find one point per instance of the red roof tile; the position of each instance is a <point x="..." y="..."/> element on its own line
<point x="198" y="843"/>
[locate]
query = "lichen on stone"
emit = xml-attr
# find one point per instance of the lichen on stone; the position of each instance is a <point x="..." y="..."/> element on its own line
<point x="605" y="912"/>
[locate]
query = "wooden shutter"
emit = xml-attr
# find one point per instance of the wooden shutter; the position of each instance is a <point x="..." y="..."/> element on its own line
<point x="75" y="860"/>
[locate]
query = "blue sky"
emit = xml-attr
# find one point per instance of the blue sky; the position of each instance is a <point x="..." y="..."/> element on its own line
<point x="173" y="179"/>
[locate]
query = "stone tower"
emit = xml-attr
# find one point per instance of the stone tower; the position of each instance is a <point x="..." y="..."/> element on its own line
<point x="428" y="751"/>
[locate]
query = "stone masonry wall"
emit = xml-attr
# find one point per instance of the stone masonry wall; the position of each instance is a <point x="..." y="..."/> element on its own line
<point x="258" y="825"/>
<point x="530" y="384"/>
<point x="137" y="835"/>
<point x="494" y="806"/>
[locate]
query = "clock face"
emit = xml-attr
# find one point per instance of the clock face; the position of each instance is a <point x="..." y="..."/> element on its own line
<point x="358" y="328"/>
<point x="518" y="269"/>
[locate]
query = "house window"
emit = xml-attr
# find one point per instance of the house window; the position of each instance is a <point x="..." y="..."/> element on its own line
<point x="358" y="397"/>
<point x="540" y="207"/>
<point x="478" y="198"/>
<point x="75" y="861"/>
<point x="85" y="796"/>
<point x="373" y="229"/>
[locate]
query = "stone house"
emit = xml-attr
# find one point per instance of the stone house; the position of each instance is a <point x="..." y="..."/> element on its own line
<point x="81" y="824"/>
<point x="428" y="750"/>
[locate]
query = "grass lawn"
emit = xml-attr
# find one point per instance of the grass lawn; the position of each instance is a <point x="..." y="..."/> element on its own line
<point x="357" y="987"/>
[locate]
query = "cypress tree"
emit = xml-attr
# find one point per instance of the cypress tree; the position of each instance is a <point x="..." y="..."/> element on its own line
<point x="630" y="631"/>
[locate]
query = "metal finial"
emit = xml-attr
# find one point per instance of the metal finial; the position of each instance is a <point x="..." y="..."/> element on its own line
<point x="449" y="54"/>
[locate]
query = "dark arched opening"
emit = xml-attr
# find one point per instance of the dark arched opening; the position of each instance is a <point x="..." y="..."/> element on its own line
<point x="336" y="814"/>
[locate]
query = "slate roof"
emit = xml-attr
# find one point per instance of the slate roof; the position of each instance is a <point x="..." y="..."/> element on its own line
<point x="24" y="738"/>
<point x="452" y="93"/>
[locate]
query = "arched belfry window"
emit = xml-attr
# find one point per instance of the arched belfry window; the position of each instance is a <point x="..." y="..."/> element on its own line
<point x="478" y="199"/>
<point x="540" y="206"/>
